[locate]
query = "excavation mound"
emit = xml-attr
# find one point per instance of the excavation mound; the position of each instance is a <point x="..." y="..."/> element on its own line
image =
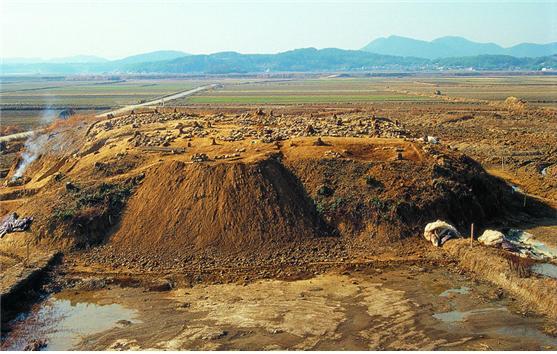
<point x="229" y="207"/>
<point x="175" y="189"/>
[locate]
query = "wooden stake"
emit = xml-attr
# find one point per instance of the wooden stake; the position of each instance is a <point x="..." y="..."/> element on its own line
<point x="27" y="259"/>
<point x="524" y="205"/>
<point x="471" y="234"/>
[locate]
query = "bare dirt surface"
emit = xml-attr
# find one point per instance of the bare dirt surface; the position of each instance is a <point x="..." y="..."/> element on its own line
<point x="206" y="172"/>
<point x="242" y="221"/>
<point x="515" y="143"/>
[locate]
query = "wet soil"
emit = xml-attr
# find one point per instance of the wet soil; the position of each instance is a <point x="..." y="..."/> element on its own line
<point x="404" y="307"/>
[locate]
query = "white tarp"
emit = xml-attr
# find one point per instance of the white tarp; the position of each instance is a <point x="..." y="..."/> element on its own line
<point x="520" y="242"/>
<point x="439" y="232"/>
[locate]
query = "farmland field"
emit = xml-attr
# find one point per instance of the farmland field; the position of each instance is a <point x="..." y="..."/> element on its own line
<point x="27" y="102"/>
<point x="293" y="99"/>
<point x="89" y="93"/>
<point x="536" y="90"/>
<point x="330" y="90"/>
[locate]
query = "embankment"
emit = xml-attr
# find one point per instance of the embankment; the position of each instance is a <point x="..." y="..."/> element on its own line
<point x="18" y="280"/>
<point x="489" y="264"/>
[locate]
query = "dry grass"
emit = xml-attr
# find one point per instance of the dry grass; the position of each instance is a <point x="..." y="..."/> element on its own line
<point x="519" y="265"/>
<point x="10" y="129"/>
<point x="72" y="122"/>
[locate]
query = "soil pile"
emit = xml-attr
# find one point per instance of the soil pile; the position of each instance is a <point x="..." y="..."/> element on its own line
<point x="514" y="103"/>
<point x="183" y="208"/>
<point x="388" y="201"/>
<point x="196" y="197"/>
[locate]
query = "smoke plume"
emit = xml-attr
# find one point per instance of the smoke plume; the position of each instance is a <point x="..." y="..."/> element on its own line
<point x="33" y="147"/>
<point x="48" y="116"/>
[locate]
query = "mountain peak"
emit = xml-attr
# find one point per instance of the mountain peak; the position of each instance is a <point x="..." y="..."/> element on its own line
<point x="452" y="46"/>
<point x="157" y="55"/>
<point x="451" y="39"/>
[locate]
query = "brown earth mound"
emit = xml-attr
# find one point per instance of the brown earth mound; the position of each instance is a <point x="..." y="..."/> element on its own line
<point x="514" y="103"/>
<point x="367" y="200"/>
<point x="229" y="207"/>
<point x="246" y="207"/>
<point x="386" y="202"/>
<point x="369" y="193"/>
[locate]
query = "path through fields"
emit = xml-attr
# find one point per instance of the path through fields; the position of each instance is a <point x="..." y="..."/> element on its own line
<point x="158" y="100"/>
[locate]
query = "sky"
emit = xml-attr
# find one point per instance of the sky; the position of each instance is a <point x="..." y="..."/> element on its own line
<point x="115" y="29"/>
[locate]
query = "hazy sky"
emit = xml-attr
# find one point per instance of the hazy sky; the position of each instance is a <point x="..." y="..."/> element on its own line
<point x="115" y="29"/>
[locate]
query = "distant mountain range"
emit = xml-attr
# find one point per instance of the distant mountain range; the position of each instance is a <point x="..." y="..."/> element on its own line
<point x="152" y="56"/>
<point x="63" y="60"/>
<point x="447" y="47"/>
<point x="91" y="59"/>
<point x="298" y="60"/>
<point x="332" y="59"/>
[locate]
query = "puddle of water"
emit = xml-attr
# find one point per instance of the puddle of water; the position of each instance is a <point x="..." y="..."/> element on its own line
<point x="458" y="316"/>
<point x="63" y="323"/>
<point x="497" y="322"/>
<point x="546" y="269"/>
<point x="359" y="311"/>
<point x="462" y="290"/>
<point x="521" y="331"/>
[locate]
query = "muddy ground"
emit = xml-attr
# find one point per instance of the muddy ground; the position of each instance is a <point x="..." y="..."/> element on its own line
<point x="393" y="308"/>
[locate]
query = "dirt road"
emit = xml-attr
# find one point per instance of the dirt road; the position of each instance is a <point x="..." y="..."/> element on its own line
<point x="158" y="101"/>
<point x="16" y="136"/>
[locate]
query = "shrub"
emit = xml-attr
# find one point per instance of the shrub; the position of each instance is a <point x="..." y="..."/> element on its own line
<point x="105" y="198"/>
<point x="325" y="191"/>
<point x="65" y="214"/>
<point x="372" y="182"/>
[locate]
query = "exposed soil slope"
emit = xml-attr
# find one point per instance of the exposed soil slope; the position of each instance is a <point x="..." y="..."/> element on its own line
<point x="183" y="207"/>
